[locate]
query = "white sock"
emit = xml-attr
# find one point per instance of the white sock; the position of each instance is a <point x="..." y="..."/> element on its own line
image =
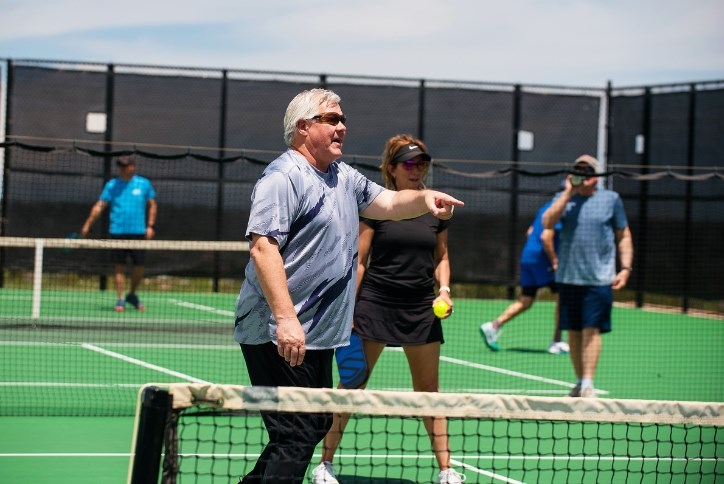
<point x="586" y="382"/>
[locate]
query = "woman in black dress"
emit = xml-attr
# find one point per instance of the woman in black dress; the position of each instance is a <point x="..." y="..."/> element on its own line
<point x="399" y="264"/>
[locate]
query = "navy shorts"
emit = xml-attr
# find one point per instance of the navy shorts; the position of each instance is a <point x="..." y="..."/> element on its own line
<point x="119" y="256"/>
<point x="585" y="307"/>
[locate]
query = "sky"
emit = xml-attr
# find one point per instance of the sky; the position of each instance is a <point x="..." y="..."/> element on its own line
<point x="583" y="43"/>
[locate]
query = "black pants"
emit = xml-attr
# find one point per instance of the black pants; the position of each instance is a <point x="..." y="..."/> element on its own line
<point x="292" y="437"/>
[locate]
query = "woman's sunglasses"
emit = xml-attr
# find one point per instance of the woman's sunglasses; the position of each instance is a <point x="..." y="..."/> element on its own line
<point x="419" y="164"/>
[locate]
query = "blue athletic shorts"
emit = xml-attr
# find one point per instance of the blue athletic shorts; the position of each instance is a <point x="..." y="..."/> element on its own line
<point x="585" y="307"/>
<point x="536" y="276"/>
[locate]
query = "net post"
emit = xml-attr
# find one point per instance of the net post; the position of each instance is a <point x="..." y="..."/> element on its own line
<point x="153" y="411"/>
<point x="37" y="277"/>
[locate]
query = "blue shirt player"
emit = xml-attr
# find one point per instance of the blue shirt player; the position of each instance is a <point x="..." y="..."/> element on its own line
<point x="536" y="271"/>
<point x="133" y="216"/>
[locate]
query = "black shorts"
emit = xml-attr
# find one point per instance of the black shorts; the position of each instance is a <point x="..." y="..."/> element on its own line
<point x="532" y="291"/>
<point x="120" y="256"/>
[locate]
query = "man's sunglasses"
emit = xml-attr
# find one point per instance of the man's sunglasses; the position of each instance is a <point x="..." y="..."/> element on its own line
<point x="330" y="118"/>
<point x="419" y="164"/>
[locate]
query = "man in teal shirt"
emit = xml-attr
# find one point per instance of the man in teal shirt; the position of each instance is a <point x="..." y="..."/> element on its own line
<point x="133" y="216"/>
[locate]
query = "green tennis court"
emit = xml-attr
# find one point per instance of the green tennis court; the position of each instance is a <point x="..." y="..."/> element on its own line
<point x="79" y="357"/>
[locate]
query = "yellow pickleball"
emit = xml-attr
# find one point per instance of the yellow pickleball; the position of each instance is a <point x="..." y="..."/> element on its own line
<point x="440" y="308"/>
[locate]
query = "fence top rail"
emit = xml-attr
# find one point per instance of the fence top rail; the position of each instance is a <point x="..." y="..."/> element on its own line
<point x="70" y="243"/>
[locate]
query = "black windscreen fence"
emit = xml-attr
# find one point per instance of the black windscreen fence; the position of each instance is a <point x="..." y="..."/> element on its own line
<point x="203" y="137"/>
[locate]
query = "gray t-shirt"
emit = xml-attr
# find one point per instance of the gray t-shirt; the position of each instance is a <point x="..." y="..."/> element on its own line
<point x="587" y="246"/>
<point x="314" y="216"/>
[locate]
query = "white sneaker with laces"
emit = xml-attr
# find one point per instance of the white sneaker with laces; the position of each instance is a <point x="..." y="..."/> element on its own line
<point x="490" y="335"/>
<point x="558" y="348"/>
<point x="324" y="474"/>
<point x="450" y="476"/>
<point x="588" y="392"/>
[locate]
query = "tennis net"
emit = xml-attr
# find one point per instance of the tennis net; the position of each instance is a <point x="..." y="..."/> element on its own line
<point x="214" y="433"/>
<point x="64" y="350"/>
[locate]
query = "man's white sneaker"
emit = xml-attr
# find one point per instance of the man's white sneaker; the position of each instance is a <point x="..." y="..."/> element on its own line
<point x="450" y="476"/>
<point x="324" y="474"/>
<point x="588" y="392"/>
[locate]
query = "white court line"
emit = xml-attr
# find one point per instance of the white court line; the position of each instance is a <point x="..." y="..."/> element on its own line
<point x="593" y="458"/>
<point x="143" y="364"/>
<point x="168" y="346"/>
<point x="69" y="385"/>
<point x="68" y="454"/>
<point x="455" y="459"/>
<point x="201" y="307"/>
<point x="234" y="347"/>
<point x="503" y="371"/>
<point x="483" y="472"/>
<point x="447" y="359"/>
<point x="484" y="391"/>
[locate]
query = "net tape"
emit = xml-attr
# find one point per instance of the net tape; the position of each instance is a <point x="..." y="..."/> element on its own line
<point x="69" y="243"/>
<point x="464" y="405"/>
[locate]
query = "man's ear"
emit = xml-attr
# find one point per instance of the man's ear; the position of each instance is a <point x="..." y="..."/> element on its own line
<point x="302" y="127"/>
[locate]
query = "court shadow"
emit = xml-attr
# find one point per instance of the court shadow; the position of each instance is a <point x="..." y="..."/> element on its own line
<point x="533" y="351"/>
<point x="371" y="480"/>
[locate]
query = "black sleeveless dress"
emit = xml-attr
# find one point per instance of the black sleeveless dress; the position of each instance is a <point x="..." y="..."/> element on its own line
<point x="394" y="303"/>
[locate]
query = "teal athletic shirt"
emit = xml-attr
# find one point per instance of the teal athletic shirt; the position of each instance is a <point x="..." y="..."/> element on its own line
<point x="587" y="246"/>
<point x="128" y="201"/>
<point x="314" y="217"/>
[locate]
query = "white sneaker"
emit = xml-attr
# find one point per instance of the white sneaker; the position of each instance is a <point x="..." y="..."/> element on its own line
<point x="490" y="335"/>
<point x="558" y="348"/>
<point x="450" y="476"/>
<point x="324" y="474"/>
<point x="588" y="392"/>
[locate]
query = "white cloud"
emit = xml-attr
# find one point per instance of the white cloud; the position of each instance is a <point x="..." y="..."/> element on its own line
<point x="571" y="42"/>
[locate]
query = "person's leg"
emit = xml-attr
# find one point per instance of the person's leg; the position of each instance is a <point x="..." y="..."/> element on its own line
<point x="372" y="350"/>
<point x="138" y="258"/>
<point x="591" y="350"/>
<point x="522" y="304"/>
<point x="575" y="340"/>
<point x="132" y="297"/>
<point x="119" y="278"/>
<point x="557" y="333"/>
<point x="424" y="362"/>
<point x="570" y="318"/>
<point x="596" y="319"/>
<point x="528" y="289"/>
<point x="292" y="437"/>
<point x="491" y="329"/>
<point x="136" y="276"/>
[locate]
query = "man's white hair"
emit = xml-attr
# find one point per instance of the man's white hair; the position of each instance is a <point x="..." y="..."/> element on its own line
<point x="305" y="105"/>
